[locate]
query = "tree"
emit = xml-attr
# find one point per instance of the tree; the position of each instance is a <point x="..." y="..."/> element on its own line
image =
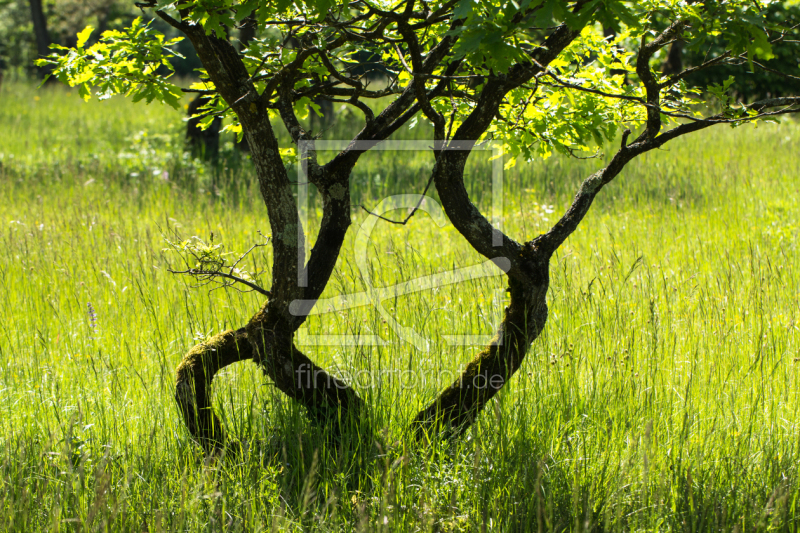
<point x="40" y="30"/>
<point x="66" y="18"/>
<point x="537" y="76"/>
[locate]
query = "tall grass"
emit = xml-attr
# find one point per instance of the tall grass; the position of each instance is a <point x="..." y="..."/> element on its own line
<point x="662" y="396"/>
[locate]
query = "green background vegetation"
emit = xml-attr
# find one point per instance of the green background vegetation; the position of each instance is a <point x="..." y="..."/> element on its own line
<point x="663" y="394"/>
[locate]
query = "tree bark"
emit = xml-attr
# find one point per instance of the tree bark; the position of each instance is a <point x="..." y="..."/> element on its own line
<point x="456" y="407"/>
<point x="41" y="34"/>
<point x="193" y="383"/>
<point x="269" y="333"/>
<point x="297" y="284"/>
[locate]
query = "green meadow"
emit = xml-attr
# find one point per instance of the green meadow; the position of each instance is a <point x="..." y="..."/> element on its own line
<point x="662" y="395"/>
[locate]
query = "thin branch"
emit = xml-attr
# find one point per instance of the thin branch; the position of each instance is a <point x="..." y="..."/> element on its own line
<point x="597" y="154"/>
<point x="778" y="72"/>
<point x="568" y="223"/>
<point x="413" y="211"/>
<point x="402" y="59"/>
<point x="567" y="85"/>
<point x="214" y="274"/>
<point x="335" y="73"/>
<point x="678" y="77"/>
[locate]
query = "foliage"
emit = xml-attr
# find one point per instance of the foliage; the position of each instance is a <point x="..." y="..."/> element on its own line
<point x="755" y="83"/>
<point x="17" y="47"/>
<point x="65" y="18"/>
<point x="490" y="37"/>
<point x="134" y="62"/>
<point x="208" y="263"/>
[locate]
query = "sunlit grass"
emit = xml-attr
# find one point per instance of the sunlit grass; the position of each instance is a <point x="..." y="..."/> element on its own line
<point x="663" y="394"/>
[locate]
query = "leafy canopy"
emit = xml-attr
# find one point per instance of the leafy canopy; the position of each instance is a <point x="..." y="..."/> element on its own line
<point x="578" y="100"/>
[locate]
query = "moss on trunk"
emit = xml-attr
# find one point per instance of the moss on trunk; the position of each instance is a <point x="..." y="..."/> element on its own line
<point x="456" y="407"/>
<point x="193" y="383"/>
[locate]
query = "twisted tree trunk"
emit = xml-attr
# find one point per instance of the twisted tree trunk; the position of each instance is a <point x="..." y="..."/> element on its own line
<point x="267" y="337"/>
<point x="457" y="406"/>
<point x="193" y="383"/>
<point x="269" y="333"/>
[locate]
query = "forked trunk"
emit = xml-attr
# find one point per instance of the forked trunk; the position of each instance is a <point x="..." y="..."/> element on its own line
<point x="267" y="338"/>
<point x="297" y="281"/>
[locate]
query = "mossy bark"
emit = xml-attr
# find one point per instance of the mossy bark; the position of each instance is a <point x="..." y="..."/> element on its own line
<point x="297" y="284"/>
<point x="326" y="398"/>
<point x="456" y="407"/>
<point x="193" y="383"/>
<point x="267" y="338"/>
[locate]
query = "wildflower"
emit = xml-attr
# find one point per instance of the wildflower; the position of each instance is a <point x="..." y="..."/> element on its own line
<point x="92" y="321"/>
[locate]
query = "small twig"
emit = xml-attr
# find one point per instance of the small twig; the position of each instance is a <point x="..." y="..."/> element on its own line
<point x="624" y="143"/>
<point x="212" y="274"/>
<point x="213" y="268"/>
<point x="402" y="59"/>
<point x="453" y="114"/>
<point x="248" y="251"/>
<point x="413" y="211"/>
<point x="778" y="72"/>
<point x="596" y="154"/>
<point x="527" y="102"/>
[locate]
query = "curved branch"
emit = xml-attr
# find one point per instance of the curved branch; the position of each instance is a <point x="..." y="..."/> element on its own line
<point x="648" y="79"/>
<point x="193" y="384"/>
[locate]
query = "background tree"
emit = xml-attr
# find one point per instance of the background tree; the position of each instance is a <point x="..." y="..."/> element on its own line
<point x="537" y="76"/>
<point x="40" y="31"/>
<point x="28" y="27"/>
<point x="775" y="75"/>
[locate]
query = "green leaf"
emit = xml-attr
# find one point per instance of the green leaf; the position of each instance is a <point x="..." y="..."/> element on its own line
<point x="85" y="92"/>
<point x="83" y="36"/>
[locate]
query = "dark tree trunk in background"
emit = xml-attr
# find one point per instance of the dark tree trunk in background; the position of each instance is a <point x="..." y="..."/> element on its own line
<point x="102" y="20"/>
<point x="203" y="143"/>
<point x="40" y="31"/>
<point x="674" y="62"/>
<point x="247" y="32"/>
<point x="316" y="122"/>
<point x="319" y="123"/>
